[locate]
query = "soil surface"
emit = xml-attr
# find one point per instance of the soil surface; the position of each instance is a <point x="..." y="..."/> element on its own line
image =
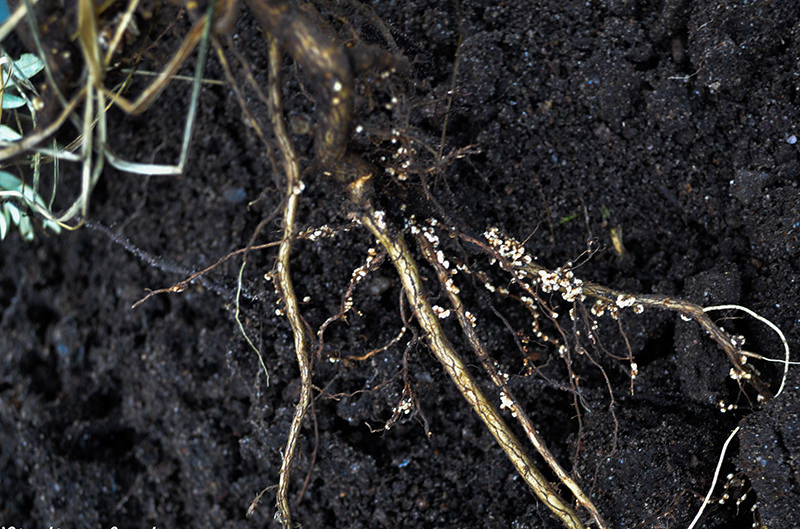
<point x="660" y="134"/>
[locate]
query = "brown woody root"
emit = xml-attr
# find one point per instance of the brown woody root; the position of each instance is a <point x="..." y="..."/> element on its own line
<point x="529" y="275"/>
<point x="500" y="380"/>
<point x="407" y="269"/>
<point x="332" y="68"/>
<point x="283" y="279"/>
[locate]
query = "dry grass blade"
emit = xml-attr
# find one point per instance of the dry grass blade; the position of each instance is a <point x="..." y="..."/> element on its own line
<point x="125" y="21"/>
<point x="154" y="89"/>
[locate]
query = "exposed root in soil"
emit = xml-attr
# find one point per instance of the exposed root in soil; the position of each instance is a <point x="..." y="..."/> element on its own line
<point x="282" y="278"/>
<point x="333" y="68"/>
<point x="356" y="177"/>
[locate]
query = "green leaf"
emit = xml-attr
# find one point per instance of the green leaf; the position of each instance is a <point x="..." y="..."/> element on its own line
<point x="13" y="212"/>
<point x="11" y="101"/>
<point x="3" y="223"/>
<point x="26" y="228"/>
<point x="9" y="134"/>
<point x="29" y="64"/>
<point x="52" y="226"/>
<point x="25" y="67"/>
<point x="10" y="213"/>
<point x="12" y="183"/>
<point x="9" y="182"/>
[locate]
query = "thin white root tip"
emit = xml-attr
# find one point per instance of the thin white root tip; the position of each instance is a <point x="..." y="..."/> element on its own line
<point x="716" y="477"/>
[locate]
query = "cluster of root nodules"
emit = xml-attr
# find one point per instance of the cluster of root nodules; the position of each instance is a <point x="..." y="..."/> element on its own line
<point x="532" y="321"/>
<point x="541" y="311"/>
<point x="549" y="322"/>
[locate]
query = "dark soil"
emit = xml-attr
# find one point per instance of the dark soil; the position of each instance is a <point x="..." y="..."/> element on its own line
<point x="672" y="123"/>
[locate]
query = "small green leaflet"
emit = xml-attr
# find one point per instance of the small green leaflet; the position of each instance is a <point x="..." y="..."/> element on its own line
<point x="24" y="68"/>
<point x="10" y="213"/>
